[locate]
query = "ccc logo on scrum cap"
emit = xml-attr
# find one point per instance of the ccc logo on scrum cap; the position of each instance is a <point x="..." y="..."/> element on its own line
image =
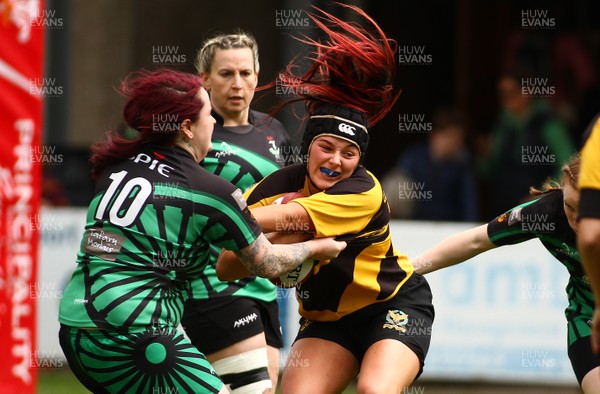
<point x="346" y="128"/>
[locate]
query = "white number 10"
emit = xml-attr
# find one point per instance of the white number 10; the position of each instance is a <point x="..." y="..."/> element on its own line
<point x="144" y="190"/>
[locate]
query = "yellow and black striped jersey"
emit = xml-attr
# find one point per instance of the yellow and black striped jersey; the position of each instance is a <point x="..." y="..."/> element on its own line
<point x="354" y="210"/>
<point x="589" y="178"/>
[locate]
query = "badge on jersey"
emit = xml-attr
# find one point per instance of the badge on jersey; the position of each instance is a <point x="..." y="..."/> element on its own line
<point x="102" y="243"/>
<point x="515" y="216"/>
<point x="239" y="198"/>
<point x="274" y="149"/>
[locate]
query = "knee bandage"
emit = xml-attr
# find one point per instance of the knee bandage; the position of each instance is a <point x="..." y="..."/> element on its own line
<point x="245" y="373"/>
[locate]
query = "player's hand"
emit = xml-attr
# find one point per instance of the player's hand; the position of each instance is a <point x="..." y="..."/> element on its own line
<point x="595" y="337"/>
<point x="326" y="248"/>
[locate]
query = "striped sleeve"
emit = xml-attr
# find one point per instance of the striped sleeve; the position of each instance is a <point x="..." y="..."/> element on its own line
<point x="227" y="219"/>
<point x="526" y="221"/>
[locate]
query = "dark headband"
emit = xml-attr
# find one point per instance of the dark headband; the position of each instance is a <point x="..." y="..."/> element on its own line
<point x="339" y="121"/>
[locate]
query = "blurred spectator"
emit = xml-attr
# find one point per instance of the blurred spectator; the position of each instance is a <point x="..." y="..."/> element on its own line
<point x="66" y="181"/>
<point x="53" y="192"/>
<point x="434" y="179"/>
<point x="562" y="55"/>
<point x="526" y="145"/>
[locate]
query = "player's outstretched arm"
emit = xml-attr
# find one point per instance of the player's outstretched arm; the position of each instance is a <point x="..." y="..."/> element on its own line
<point x="230" y="267"/>
<point x="264" y="259"/>
<point x="283" y="217"/>
<point x="453" y="250"/>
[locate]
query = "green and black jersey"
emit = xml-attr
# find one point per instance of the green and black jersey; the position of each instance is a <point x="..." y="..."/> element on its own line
<point x="148" y="233"/>
<point x="243" y="155"/>
<point x="545" y="219"/>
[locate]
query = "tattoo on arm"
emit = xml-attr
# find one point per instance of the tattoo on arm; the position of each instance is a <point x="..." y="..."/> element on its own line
<point x="269" y="261"/>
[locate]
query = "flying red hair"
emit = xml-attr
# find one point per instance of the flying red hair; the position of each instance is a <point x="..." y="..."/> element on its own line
<point x="353" y="66"/>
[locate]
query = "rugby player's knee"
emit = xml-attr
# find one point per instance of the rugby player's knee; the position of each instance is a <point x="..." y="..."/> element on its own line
<point x="245" y="373"/>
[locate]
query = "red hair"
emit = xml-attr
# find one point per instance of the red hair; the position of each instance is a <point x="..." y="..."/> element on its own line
<point x="353" y="67"/>
<point x="157" y="102"/>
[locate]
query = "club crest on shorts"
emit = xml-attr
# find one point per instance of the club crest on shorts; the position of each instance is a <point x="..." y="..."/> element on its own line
<point x="396" y="320"/>
<point x="305" y="325"/>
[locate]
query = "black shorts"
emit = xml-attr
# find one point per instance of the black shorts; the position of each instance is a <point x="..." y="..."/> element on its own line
<point x="217" y="323"/>
<point x="407" y="317"/>
<point x="582" y="358"/>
